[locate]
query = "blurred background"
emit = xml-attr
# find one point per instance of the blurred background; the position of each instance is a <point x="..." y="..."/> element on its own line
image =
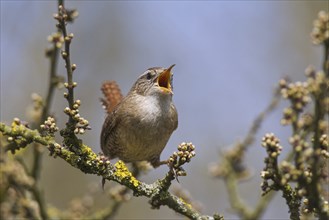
<point x="229" y="56"/>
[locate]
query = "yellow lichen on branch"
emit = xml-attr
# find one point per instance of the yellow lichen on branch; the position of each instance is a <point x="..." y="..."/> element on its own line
<point x="122" y="172"/>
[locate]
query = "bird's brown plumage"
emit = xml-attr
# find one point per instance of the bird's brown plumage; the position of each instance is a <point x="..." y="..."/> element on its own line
<point x="139" y="127"/>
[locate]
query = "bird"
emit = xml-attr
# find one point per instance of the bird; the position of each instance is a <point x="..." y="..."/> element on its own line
<point x="140" y="125"/>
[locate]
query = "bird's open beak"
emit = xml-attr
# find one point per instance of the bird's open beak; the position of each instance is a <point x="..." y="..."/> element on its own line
<point x="164" y="80"/>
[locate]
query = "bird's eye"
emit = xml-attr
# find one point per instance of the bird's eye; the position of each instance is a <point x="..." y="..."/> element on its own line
<point x="149" y="75"/>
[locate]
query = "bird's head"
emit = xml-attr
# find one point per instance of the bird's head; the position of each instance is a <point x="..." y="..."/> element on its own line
<point x="155" y="81"/>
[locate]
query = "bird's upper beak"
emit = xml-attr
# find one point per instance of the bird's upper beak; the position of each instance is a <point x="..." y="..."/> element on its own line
<point x="164" y="80"/>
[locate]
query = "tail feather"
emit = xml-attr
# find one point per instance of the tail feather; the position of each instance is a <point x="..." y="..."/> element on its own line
<point x="112" y="95"/>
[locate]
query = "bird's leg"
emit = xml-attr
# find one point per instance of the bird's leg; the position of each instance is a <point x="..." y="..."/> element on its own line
<point x="156" y="163"/>
<point x="104" y="159"/>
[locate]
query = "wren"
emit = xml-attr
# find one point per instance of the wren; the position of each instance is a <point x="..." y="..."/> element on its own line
<point x="139" y="127"/>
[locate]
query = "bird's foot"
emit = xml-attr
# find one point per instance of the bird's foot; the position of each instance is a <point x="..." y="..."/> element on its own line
<point x="105" y="160"/>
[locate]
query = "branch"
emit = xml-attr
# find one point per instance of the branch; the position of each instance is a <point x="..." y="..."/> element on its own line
<point x="62" y="18"/>
<point x="76" y="124"/>
<point x="231" y="169"/>
<point x="319" y="96"/>
<point x="272" y="172"/>
<point x="91" y="163"/>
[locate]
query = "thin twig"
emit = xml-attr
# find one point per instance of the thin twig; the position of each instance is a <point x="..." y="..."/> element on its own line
<point x="249" y="139"/>
<point x="231" y="178"/>
<point x="66" y="57"/>
<point x="325" y="65"/>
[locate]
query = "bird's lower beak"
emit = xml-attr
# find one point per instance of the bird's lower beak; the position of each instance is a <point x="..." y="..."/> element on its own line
<point x="164" y="80"/>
